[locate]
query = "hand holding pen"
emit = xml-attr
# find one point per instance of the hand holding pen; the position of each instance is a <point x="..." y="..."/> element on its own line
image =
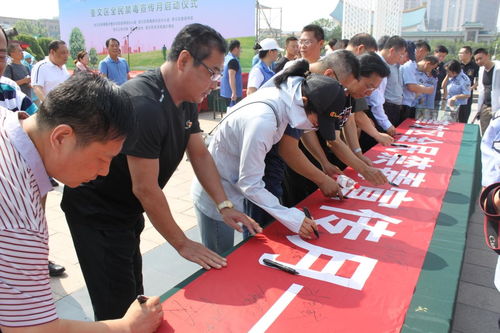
<point x="308" y="215"/>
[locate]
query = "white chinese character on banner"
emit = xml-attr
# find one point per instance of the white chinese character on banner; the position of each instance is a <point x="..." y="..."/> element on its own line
<point x="420" y="163"/>
<point x="432" y="122"/>
<point x="404" y="177"/>
<point x="414" y="149"/>
<point x="431" y="131"/>
<point x="376" y="230"/>
<point x="407" y="161"/>
<point x="419" y="140"/>
<point x="329" y="272"/>
<point x="391" y="198"/>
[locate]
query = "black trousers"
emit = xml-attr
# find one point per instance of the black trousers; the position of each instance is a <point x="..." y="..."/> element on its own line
<point x="296" y="187"/>
<point x="464" y="110"/>
<point x="393" y="112"/>
<point x="111" y="264"/>
<point x="407" y="112"/>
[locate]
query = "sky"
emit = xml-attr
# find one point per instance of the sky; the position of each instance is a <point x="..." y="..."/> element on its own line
<point x="294" y="16"/>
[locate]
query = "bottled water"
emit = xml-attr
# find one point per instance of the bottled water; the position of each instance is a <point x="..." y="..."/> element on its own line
<point x="346" y="182"/>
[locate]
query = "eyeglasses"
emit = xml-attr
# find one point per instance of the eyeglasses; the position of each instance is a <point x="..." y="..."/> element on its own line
<point x="214" y="76"/>
<point x="305" y="42"/>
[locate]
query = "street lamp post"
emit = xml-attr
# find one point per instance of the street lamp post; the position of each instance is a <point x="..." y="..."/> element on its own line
<point x="128" y="45"/>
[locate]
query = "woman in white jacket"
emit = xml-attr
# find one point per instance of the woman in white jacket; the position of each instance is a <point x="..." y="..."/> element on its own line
<point x="299" y="99"/>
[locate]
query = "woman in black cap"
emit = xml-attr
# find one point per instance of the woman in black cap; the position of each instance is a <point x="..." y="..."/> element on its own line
<point x="299" y="99"/>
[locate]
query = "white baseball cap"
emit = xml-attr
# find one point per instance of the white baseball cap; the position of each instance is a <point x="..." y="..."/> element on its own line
<point x="269" y="44"/>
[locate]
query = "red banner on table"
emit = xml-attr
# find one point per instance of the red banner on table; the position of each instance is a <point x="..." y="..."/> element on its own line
<point x="359" y="276"/>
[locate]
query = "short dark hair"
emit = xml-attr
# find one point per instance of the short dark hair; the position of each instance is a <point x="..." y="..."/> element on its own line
<point x="453" y="66"/>
<point x="467" y="48"/>
<point x="12" y="47"/>
<point x="109" y="40"/>
<point x="290" y="39"/>
<point x="441" y="49"/>
<point x="381" y="42"/>
<point x="55" y="44"/>
<point x="363" y="39"/>
<point x="432" y="59"/>
<point x="198" y="40"/>
<point x="263" y="53"/>
<point x="481" y="50"/>
<point x="395" y="42"/>
<point x="234" y="44"/>
<point x="104" y="112"/>
<point x="370" y="63"/>
<point x="332" y="42"/>
<point x="343" y="43"/>
<point x="318" y="31"/>
<point x="422" y="44"/>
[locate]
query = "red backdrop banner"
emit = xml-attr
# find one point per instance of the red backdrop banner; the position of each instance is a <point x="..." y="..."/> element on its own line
<point x="359" y="276"/>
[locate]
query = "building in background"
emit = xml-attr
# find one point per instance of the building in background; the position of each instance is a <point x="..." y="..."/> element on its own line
<point x="451" y="15"/>
<point x="377" y="17"/>
<point x="470" y="20"/>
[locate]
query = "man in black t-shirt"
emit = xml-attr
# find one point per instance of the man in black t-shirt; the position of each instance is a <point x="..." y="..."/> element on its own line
<point x="488" y="88"/>
<point x="291" y="53"/>
<point x="105" y="216"/>
<point x="231" y="85"/>
<point x="440" y="52"/>
<point x="471" y="69"/>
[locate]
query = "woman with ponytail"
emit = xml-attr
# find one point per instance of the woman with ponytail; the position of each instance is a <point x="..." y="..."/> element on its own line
<point x="299" y="99"/>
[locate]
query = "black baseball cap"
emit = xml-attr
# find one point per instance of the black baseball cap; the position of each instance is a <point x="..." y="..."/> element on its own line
<point x="327" y="98"/>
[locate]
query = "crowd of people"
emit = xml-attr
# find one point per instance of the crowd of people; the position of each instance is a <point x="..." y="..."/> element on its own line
<point x="115" y="142"/>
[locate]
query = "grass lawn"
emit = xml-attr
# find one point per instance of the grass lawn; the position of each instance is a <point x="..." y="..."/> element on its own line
<point x="149" y="60"/>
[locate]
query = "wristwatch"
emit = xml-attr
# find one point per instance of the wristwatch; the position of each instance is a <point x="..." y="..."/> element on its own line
<point x="224" y="204"/>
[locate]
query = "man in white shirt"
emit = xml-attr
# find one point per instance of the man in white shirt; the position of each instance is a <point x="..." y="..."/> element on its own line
<point x="488" y="87"/>
<point x="393" y="50"/>
<point x="50" y="72"/>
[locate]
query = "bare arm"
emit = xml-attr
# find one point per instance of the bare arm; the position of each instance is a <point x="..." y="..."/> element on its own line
<point x="144" y="173"/>
<point x="366" y="125"/>
<point x="340" y="149"/>
<point x="23" y="81"/>
<point x="444" y="85"/>
<point x="351" y="136"/>
<point x="140" y="318"/>
<point x="39" y="92"/>
<point x="419" y="89"/>
<point x="232" y="84"/>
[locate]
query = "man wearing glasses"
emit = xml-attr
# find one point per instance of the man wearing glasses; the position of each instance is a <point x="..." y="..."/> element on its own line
<point x="311" y="42"/>
<point x="105" y="216"/>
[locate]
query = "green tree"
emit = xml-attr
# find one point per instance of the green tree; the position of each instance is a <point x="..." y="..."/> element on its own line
<point x="93" y="59"/>
<point x="76" y="42"/>
<point x="35" y="29"/>
<point x="44" y="44"/>
<point x="454" y="46"/>
<point x="332" y="30"/>
<point x="34" y="47"/>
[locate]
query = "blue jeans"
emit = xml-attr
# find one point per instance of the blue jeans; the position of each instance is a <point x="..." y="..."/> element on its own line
<point x="215" y="234"/>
